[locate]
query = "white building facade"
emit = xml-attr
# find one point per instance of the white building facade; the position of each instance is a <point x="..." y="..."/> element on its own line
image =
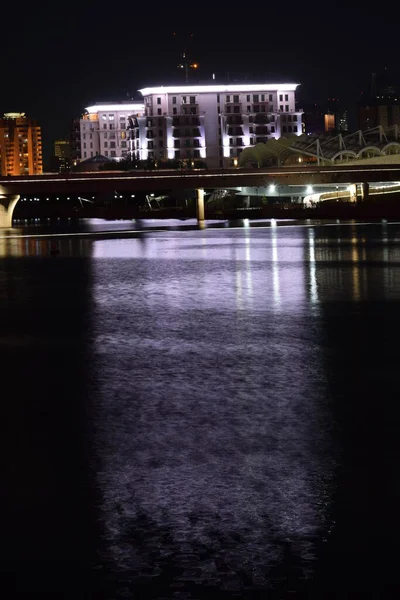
<point x="211" y="123"/>
<point x="108" y="128"/>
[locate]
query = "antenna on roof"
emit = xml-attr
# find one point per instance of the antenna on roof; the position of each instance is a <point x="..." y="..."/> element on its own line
<point x="186" y="63"/>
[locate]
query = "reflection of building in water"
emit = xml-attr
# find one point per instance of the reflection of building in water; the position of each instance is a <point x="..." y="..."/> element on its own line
<point x="312" y="266"/>
<point x="352" y="262"/>
<point x="275" y="266"/>
<point x="355" y="270"/>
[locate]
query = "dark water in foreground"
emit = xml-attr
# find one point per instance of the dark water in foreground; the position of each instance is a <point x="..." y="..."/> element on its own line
<point x="188" y="414"/>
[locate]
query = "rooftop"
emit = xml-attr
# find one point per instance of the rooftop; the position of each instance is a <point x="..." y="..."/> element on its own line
<point x="197" y="89"/>
<point x="116" y="106"/>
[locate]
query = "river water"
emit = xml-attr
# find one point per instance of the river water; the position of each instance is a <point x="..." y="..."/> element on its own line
<point x="192" y="413"/>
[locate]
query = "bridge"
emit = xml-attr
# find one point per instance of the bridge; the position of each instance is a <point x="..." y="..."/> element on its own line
<point x="11" y="188"/>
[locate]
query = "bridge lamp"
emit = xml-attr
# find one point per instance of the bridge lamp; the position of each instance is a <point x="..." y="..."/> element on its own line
<point x="68" y="198"/>
<point x="272" y="188"/>
<point x="309" y="189"/>
<point x="132" y="195"/>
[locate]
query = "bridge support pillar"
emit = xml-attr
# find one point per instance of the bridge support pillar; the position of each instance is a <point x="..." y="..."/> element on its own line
<point x="200" y="206"/>
<point x="7" y="205"/>
<point x="364" y="191"/>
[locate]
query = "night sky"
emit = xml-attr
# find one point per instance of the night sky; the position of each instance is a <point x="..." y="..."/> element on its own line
<point x="57" y="60"/>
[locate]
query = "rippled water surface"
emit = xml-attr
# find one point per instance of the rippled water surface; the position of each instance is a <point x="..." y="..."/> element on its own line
<point x="192" y="413"/>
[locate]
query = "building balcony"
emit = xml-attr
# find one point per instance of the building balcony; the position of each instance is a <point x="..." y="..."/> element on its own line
<point x="189" y="110"/>
<point x="188" y="133"/>
<point x="263" y="130"/>
<point x="232" y="106"/>
<point x="185" y="121"/>
<point x="234" y="120"/>
<point x="187" y="145"/>
<point x="261" y="118"/>
<point x="235" y="131"/>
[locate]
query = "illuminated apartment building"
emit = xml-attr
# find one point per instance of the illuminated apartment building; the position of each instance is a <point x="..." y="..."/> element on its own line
<point x="107" y="128"/>
<point x="211" y="123"/>
<point x="20" y="145"/>
<point x="214" y="123"/>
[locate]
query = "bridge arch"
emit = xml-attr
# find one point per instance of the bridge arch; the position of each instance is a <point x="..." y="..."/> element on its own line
<point x="391" y="145"/>
<point x="376" y="151"/>
<point x="341" y="154"/>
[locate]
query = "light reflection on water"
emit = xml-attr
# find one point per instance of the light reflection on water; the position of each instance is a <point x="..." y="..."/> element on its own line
<point x="224" y="364"/>
<point x="211" y="416"/>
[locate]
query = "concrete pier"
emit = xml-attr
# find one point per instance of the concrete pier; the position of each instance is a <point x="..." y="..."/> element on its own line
<point x="7" y="205"/>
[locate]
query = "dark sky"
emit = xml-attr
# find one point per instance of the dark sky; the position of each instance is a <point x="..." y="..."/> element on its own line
<point x="57" y="59"/>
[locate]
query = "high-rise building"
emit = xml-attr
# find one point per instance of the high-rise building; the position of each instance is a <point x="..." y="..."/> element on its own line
<point x="327" y="118"/>
<point x="61" y="157"/>
<point x="380" y="106"/>
<point x="343" y="121"/>
<point x="211" y="123"/>
<point x="214" y="123"/>
<point x="20" y="145"/>
<point x="75" y="142"/>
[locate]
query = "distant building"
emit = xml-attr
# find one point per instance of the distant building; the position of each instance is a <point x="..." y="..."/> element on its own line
<point x="20" y="145"/>
<point x="328" y="118"/>
<point x="380" y="106"/>
<point x="343" y="121"/>
<point x="75" y="142"/>
<point x="329" y="123"/>
<point x="378" y="112"/>
<point x="210" y="123"/>
<point x="61" y="157"/>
